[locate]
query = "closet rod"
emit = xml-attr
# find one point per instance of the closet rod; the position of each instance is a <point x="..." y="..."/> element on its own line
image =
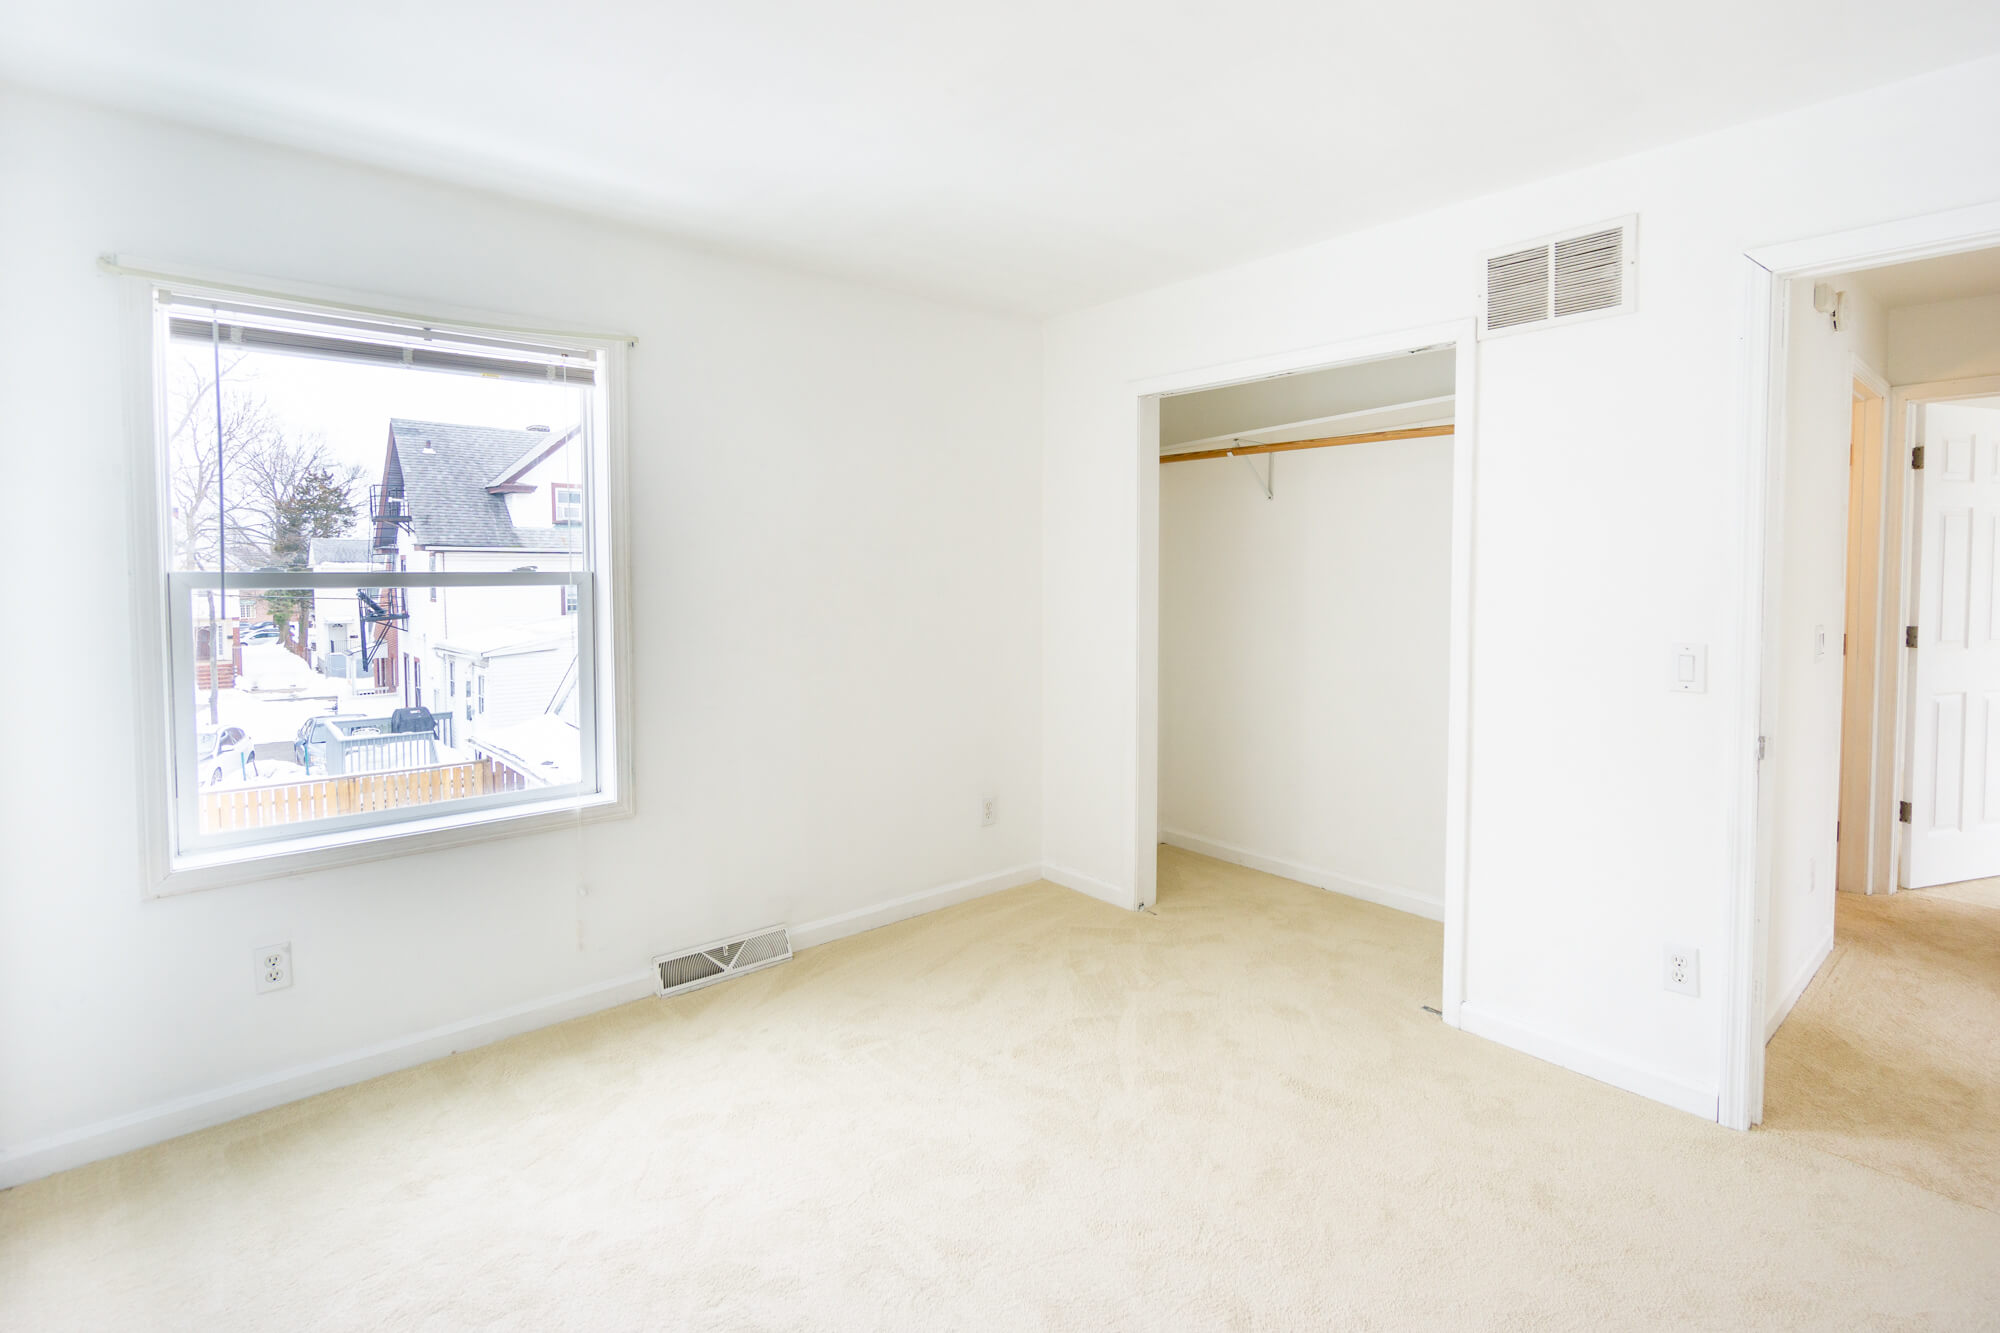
<point x="1234" y="451"/>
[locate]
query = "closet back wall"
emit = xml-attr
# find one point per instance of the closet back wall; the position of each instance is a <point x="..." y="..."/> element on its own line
<point x="1303" y="653"/>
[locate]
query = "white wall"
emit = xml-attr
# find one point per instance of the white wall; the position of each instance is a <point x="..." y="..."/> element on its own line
<point x="835" y="612"/>
<point x="1804" y="763"/>
<point x="1945" y="341"/>
<point x="1610" y="516"/>
<point x="1303" y="665"/>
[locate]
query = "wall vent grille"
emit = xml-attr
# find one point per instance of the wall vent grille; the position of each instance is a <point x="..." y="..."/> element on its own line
<point x="1560" y="279"/>
<point x="722" y="960"/>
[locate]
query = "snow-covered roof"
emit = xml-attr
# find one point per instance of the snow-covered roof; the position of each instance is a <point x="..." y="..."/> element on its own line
<point x="534" y="636"/>
<point x="544" y="749"/>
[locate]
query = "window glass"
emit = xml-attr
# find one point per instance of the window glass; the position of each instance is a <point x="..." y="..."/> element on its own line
<point x="309" y="457"/>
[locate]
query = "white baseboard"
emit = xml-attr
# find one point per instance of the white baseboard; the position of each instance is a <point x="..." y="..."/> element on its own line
<point x="831" y="928"/>
<point x="1386" y="895"/>
<point x="1088" y="884"/>
<point x="185" y="1115"/>
<point x="1797" y="986"/>
<point x="1600" y="1065"/>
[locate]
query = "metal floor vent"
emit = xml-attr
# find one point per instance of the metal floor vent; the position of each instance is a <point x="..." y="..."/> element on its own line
<point x="722" y="960"/>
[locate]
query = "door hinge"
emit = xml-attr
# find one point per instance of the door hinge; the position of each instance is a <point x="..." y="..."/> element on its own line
<point x="1909" y="636"/>
<point x="1917" y="458"/>
<point x="1902" y="812"/>
<point x="1763" y="744"/>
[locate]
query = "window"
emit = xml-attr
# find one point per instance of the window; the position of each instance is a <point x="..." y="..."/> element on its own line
<point x="303" y="454"/>
<point x="568" y="501"/>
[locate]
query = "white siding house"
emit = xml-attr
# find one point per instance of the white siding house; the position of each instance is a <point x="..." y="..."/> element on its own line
<point x="455" y="499"/>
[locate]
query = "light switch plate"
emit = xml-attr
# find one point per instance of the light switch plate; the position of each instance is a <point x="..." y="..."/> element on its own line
<point x="1687" y="668"/>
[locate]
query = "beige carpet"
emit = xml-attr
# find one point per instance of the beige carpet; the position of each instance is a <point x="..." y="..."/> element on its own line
<point x="1891" y="1058"/>
<point x="1031" y="1111"/>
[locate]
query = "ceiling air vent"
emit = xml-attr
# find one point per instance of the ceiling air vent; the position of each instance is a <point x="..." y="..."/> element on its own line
<point x="722" y="960"/>
<point x="1560" y="279"/>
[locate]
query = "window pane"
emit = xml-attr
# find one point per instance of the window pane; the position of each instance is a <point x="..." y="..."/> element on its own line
<point x="346" y="709"/>
<point x="291" y="450"/>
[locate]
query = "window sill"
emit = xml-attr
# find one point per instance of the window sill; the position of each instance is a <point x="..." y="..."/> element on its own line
<point x="300" y="856"/>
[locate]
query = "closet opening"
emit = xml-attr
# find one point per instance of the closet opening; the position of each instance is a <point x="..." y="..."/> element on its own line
<point x="1312" y="566"/>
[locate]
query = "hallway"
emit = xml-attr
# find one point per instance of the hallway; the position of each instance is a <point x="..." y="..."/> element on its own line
<point x="1892" y="1057"/>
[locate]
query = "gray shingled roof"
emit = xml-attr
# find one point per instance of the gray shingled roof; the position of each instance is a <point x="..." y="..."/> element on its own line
<point x="340" y="551"/>
<point x="444" y="487"/>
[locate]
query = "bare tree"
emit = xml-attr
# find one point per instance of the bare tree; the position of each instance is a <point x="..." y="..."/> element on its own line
<point x="247" y="494"/>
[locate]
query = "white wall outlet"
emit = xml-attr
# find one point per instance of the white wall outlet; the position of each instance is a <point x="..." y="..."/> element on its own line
<point x="989" y="812"/>
<point x="1683" y="970"/>
<point x="274" y="967"/>
<point x="1688" y="672"/>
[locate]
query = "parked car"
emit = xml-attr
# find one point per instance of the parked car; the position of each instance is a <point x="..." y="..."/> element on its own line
<point x="261" y="634"/>
<point x="220" y="751"/>
<point x="311" y="741"/>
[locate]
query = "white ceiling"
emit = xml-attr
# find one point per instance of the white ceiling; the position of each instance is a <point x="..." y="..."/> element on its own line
<point x="1923" y="281"/>
<point x="1035" y="155"/>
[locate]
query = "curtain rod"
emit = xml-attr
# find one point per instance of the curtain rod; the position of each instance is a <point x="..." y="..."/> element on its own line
<point x="1371" y="437"/>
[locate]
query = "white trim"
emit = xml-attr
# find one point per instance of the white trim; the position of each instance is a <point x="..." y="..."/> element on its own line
<point x="1352" y="886"/>
<point x="1461" y="334"/>
<point x="1590" y="1062"/>
<point x="1797" y="987"/>
<point x="201" y="1110"/>
<point x="1088" y="885"/>
<point x="910" y="905"/>
<point x="1747" y="898"/>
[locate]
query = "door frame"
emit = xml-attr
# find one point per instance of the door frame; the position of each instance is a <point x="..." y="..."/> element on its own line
<point x="1868" y="788"/>
<point x="1461" y="335"/>
<point x="1766" y="275"/>
<point x="1906" y="402"/>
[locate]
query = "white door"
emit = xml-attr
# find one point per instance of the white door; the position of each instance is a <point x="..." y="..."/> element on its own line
<point x="1954" y="776"/>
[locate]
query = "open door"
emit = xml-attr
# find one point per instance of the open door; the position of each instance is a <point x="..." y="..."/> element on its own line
<point x="1954" y="774"/>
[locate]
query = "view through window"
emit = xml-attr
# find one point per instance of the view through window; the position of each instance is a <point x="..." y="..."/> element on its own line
<point x="380" y="570"/>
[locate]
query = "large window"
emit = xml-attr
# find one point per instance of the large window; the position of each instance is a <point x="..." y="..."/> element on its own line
<point x="308" y="460"/>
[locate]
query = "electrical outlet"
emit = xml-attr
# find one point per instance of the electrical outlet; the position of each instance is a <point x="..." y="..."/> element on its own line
<point x="274" y="967"/>
<point x="1683" y="970"/>
<point x="989" y="812"/>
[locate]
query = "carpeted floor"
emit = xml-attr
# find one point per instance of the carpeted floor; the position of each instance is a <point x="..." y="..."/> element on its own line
<point x="1031" y="1111"/>
<point x="1891" y="1058"/>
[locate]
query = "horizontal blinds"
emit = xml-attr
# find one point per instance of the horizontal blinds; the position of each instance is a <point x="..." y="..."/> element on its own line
<point x="376" y="342"/>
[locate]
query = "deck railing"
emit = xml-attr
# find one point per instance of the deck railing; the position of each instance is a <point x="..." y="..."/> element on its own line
<point x="324" y="798"/>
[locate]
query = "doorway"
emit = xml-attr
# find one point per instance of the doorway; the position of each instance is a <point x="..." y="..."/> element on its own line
<point x="1877" y="763"/>
<point x="1256" y="457"/>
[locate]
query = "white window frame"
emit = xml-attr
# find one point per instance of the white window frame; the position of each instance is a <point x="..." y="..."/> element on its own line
<point x="175" y="863"/>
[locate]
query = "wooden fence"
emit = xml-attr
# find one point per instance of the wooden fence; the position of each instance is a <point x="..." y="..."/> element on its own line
<point x="323" y="798"/>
